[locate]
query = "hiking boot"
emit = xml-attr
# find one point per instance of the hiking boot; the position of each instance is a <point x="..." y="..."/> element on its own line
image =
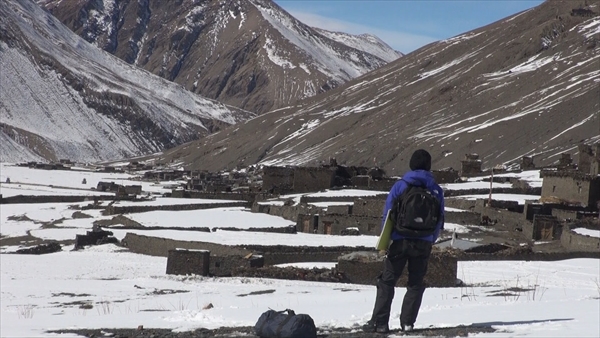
<point x="382" y="329"/>
<point x="373" y="327"/>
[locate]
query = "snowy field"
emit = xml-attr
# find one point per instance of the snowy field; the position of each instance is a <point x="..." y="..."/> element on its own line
<point x="109" y="287"/>
<point x="66" y="290"/>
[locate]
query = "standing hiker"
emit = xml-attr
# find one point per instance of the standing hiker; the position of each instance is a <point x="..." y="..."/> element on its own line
<point x="418" y="216"/>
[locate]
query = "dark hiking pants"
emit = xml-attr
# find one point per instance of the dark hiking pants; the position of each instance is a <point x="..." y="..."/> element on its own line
<point x="416" y="254"/>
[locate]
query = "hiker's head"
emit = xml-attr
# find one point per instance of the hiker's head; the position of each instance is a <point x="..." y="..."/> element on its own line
<point x="420" y="160"/>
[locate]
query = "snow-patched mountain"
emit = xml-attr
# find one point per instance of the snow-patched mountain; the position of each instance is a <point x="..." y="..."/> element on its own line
<point x="64" y="98"/>
<point x="368" y="43"/>
<point x="525" y="85"/>
<point x="248" y="53"/>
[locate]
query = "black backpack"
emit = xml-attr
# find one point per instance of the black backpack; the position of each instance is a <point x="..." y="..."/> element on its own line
<point x="285" y="324"/>
<point x="416" y="212"/>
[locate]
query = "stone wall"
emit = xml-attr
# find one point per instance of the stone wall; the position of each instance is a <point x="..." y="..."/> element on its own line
<point x="384" y="184"/>
<point x="156" y="246"/>
<point x="364" y="267"/>
<point x="248" y="197"/>
<point x="470" y="168"/>
<point x="317" y="199"/>
<point x="514" y="221"/>
<point x="339" y="210"/>
<point x="310" y="179"/>
<point x="222" y="266"/>
<point x="291" y="212"/>
<point x="369" y="207"/>
<point x="573" y="241"/>
<point x="334" y="224"/>
<point x="21" y="199"/>
<point x="278" y="180"/>
<point x="459" y="203"/>
<point x="518" y="190"/>
<point x="361" y="181"/>
<point x="188" y="262"/>
<point x="224" y="257"/>
<point x="462" y="217"/>
<point x="532" y="208"/>
<point x="527" y="163"/>
<point x="445" y="176"/>
<point x="129" y="209"/>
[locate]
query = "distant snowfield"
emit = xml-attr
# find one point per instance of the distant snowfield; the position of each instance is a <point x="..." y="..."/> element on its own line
<point x="71" y="179"/>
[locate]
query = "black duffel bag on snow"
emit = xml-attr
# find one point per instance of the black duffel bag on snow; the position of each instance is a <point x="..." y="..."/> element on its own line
<point x="285" y="324"/>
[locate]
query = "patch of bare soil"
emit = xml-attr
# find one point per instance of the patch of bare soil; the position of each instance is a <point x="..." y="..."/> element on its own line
<point x="79" y="214"/>
<point x="118" y="220"/>
<point x="29" y="240"/>
<point x="19" y="218"/>
<point x="248" y="331"/>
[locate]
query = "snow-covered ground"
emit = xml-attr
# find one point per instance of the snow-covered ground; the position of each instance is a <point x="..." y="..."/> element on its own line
<point x="107" y="286"/>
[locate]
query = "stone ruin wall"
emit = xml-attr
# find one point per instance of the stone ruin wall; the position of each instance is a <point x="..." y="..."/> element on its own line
<point x="571" y="188"/>
<point x="236" y="196"/>
<point x="157" y="246"/>
<point x="527" y="163"/>
<point x="573" y="241"/>
<point x="130" y="209"/>
<point x="230" y="256"/>
<point x="21" y="199"/>
<point x="310" y="179"/>
<point x="470" y="168"/>
<point x="543" y="227"/>
<point x="445" y="176"/>
<point x="334" y="224"/>
<point x="384" y="184"/>
<point x="369" y="207"/>
<point x="290" y="212"/>
<point x="278" y="179"/>
<point x="586" y="155"/>
<point x="363" y="268"/>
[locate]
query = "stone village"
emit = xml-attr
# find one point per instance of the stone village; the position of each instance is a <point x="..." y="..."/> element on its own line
<point x="540" y="229"/>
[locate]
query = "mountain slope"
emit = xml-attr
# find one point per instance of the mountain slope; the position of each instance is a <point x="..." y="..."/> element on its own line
<point x="250" y="54"/>
<point x="64" y="98"/>
<point x="525" y="85"/>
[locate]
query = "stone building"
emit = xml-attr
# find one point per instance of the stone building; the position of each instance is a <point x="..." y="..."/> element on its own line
<point x="589" y="159"/>
<point x="471" y="165"/>
<point x="565" y="162"/>
<point x="543" y="227"/>
<point x="527" y="163"/>
<point x="108" y="186"/>
<point x="570" y="187"/>
<point x="586" y="155"/>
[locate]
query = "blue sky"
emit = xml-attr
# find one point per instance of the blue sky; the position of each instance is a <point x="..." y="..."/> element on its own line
<point x="405" y="25"/>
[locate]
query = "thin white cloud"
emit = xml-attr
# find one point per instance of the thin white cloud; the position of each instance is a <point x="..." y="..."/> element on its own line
<point x="400" y="41"/>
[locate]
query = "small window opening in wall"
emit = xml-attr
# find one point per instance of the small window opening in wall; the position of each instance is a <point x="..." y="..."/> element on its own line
<point x="553" y="188"/>
<point x="580" y="190"/>
<point x="217" y="264"/>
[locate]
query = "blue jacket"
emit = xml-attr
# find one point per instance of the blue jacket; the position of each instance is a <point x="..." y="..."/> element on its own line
<point x="416" y="177"/>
